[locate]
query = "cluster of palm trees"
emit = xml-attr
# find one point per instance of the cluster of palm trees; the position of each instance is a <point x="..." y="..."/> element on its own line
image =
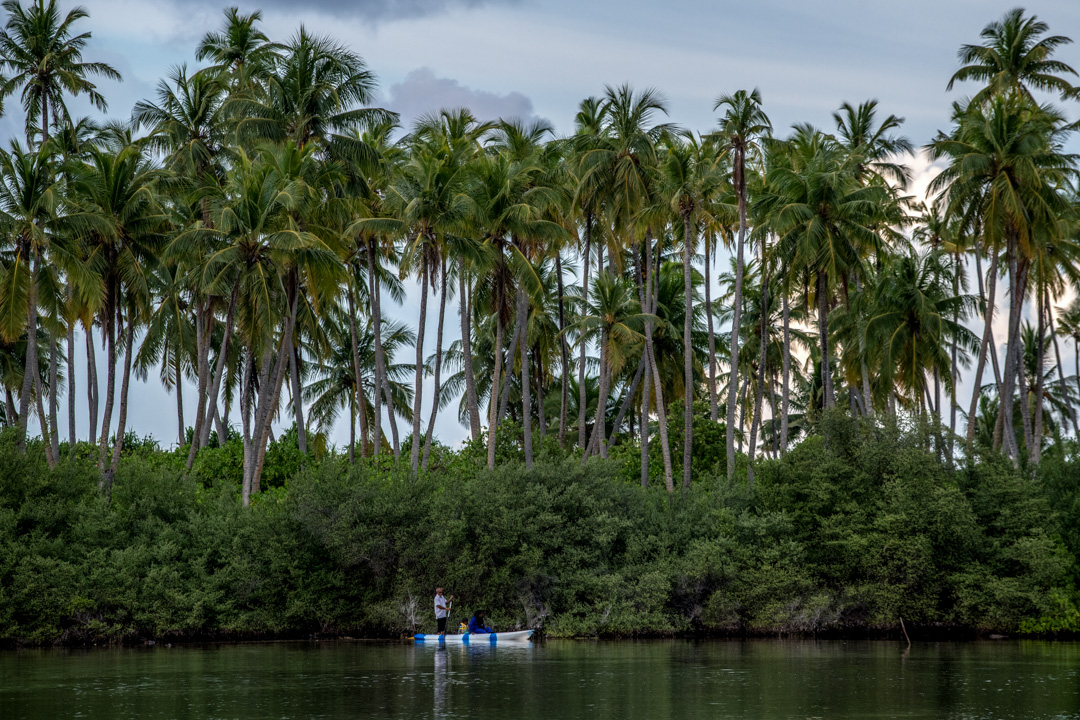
<point x="243" y="231"/>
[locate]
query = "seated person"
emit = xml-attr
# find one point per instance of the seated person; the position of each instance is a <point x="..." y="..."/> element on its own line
<point x="476" y="624"/>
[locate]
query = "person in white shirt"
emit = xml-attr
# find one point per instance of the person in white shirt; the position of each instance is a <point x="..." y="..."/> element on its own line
<point x="442" y="609"/>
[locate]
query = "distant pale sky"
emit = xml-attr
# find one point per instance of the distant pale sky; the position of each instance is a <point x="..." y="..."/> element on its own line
<point x="540" y="59"/>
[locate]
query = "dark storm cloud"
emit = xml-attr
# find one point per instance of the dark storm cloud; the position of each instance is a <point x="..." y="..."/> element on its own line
<point x="421" y="92"/>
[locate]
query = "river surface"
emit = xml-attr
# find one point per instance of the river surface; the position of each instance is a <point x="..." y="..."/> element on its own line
<point x="551" y="680"/>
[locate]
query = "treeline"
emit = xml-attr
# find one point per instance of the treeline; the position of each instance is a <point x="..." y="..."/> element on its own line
<point x="249" y="227"/>
<point x="848" y="536"/>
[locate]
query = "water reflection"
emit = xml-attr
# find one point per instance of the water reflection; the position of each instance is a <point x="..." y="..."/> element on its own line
<point x="441" y="661"/>
<point x="564" y="680"/>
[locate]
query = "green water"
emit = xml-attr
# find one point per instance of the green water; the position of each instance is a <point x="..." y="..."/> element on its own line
<point x="624" y="680"/>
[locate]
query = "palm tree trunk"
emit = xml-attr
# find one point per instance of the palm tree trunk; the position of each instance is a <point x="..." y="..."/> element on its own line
<point x="628" y="399"/>
<point x="759" y="396"/>
<point x="219" y="372"/>
<point x="382" y="380"/>
<point x="829" y="399"/>
<point x="92" y="389"/>
<point x="688" y="353"/>
<point x="989" y="301"/>
<point x="202" y="343"/>
<point x="418" y="391"/>
<point x="508" y="369"/>
<point x="652" y="287"/>
<point x="596" y="442"/>
<point x="772" y="412"/>
<point x="1012" y="356"/>
<point x="297" y="398"/>
<point x="180" y="404"/>
<point x="110" y="389"/>
<point x="72" y="436"/>
<point x="645" y="389"/>
<point x="245" y="420"/>
<point x="582" y="398"/>
<point x="30" y="366"/>
<point x="438" y="367"/>
<point x="540" y="375"/>
<point x="1040" y="378"/>
<point x="1070" y="412"/>
<point x="493" y="393"/>
<point x="352" y="430"/>
<point x="736" y="317"/>
<point x="43" y="420"/>
<point x="465" y="305"/>
<point x="1076" y="358"/>
<point x="526" y="395"/>
<point x="121" y="418"/>
<point x="54" y="388"/>
<point x="953" y="368"/>
<point x="714" y="410"/>
<point x="564" y="353"/>
<point x="11" y="418"/>
<point x="270" y="386"/>
<point x="786" y="382"/>
<point x="358" y="379"/>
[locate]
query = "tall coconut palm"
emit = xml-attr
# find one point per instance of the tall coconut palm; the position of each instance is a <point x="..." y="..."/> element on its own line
<point x="316" y="92"/>
<point x="1005" y="163"/>
<point x="188" y="124"/>
<point x="825" y="222"/>
<point x="44" y="58"/>
<point x="29" y="200"/>
<point x="742" y="126"/>
<point x="1069" y="326"/>
<point x="914" y="321"/>
<point x="117" y="212"/>
<point x="624" y="168"/>
<point x="1015" y="57"/>
<point x="241" y="53"/>
<point x="689" y="178"/>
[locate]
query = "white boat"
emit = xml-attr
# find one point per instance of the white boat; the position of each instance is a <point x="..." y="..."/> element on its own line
<point x="470" y="639"/>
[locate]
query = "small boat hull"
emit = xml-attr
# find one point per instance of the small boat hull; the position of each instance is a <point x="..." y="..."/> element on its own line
<point x="482" y="639"/>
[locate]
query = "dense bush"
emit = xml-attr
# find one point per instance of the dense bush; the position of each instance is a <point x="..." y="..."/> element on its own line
<point x="851" y="534"/>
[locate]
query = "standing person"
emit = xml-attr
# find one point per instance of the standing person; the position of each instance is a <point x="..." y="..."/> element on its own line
<point x="442" y="609"/>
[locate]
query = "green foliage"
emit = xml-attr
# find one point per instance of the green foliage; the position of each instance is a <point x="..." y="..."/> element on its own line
<point x="852" y="534"/>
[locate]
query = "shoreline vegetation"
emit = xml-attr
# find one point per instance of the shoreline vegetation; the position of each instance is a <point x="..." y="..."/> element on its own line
<point x="837" y="538"/>
<point x="655" y="446"/>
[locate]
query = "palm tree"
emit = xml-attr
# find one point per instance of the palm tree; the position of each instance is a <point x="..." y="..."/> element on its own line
<point x="1014" y="58"/>
<point x="1069" y="325"/>
<point x="189" y="125"/>
<point x="1005" y="164"/>
<point x="315" y="92"/>
<point x="624" y="169"/>
<point x="240" y="51"/>
<point x="826" y="223"/>
<point x="336" y="373"/>
<point x="29" y="200"/>
<point x="914" y="322"/>
<point x="689" y="179"/>
<point x="117" y="212"/>
<point x="44" y="57"/>
<point x="741" y="127"/>
<point x="612" y="314"/>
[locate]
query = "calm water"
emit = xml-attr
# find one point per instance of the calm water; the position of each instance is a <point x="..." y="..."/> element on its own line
<point x="627" y="680"/>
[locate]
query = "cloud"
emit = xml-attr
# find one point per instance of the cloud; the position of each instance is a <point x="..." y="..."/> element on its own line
<point x="422" y="92"/>
<point x="373" y="10"/>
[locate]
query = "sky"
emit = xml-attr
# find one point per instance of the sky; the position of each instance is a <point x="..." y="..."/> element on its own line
<point x="512" y="58"/>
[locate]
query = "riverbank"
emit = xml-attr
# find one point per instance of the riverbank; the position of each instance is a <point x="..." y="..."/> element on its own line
<point x="840" y="539"/>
